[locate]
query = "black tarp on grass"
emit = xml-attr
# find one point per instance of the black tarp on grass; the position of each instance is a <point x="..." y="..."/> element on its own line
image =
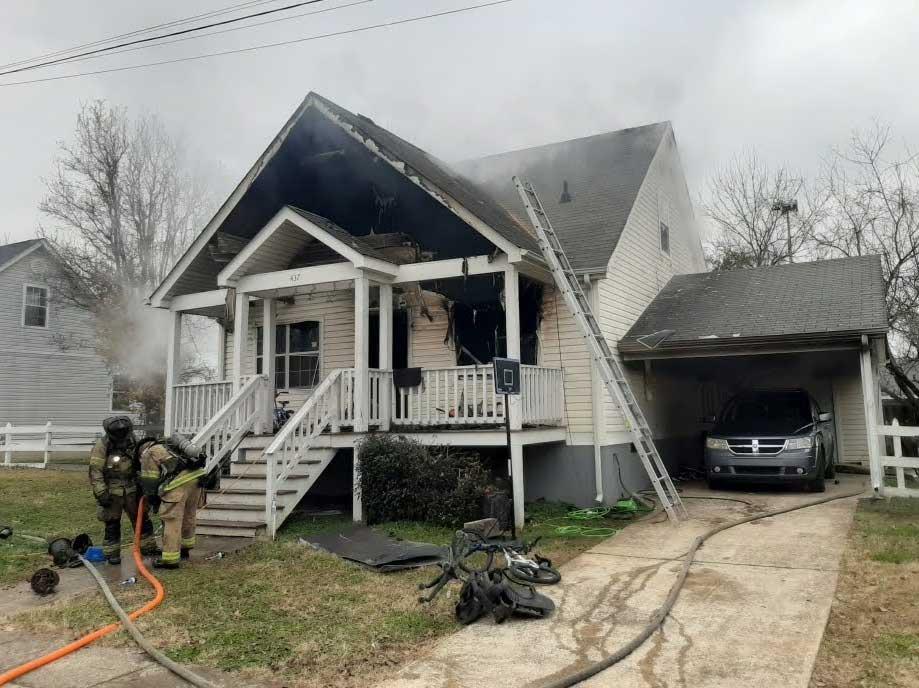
<point x="376" y="551"/>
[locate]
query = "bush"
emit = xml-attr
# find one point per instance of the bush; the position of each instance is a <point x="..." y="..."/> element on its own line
<point x="401" y="480"/>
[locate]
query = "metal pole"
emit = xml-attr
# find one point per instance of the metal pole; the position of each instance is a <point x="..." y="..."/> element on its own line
<point x="788" y="226"/>
<point x="510" y="463"/>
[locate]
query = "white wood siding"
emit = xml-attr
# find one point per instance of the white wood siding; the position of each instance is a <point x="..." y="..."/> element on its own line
<point x="850" y="416"/>
<point x="426" y="337"/>
<point x="39" y="379"/>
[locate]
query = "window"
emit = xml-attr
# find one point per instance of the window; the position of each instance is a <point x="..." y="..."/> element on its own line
<point x="665" y="238"/>
<point x="296" y="354"/>
<point x="35" y="306"/>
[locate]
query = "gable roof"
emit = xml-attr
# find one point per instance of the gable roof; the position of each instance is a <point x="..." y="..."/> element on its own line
<point x="10" y="253"/>
<point x="829" y="299"/>
<point x="431" y="174"/>
<point x="604" y="174"/>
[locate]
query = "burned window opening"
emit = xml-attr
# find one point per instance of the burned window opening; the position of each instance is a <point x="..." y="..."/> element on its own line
<point x="476" y="318"/>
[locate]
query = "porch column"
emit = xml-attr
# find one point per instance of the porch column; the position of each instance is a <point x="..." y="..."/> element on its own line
<point x="385" y="354"/>
<point x="269" y="327"/>
<point x="869" y="390"/>
<point x="174" y="342"/>
<point x="221" y="351"/>
<point x="361" y="352"/>
<point x="512" y="335"/>
<point x="240" y="338"/>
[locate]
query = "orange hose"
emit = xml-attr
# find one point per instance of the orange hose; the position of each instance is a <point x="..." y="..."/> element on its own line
<point x="23" y="669"/>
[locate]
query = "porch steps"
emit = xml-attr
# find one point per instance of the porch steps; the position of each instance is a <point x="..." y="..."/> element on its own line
<point x="237" y="507"/>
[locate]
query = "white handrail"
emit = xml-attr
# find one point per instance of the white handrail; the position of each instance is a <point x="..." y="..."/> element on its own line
<point x="231" y="423"/>
<point x="194" y="404"/>
<point x="293" y="441"/>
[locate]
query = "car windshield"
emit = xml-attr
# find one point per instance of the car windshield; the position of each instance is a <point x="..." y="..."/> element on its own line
<point x="776" y="412"/>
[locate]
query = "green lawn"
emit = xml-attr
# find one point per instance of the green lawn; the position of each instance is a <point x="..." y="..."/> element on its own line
<point x="273" y="608"/>
<point x="872" y="639"/>
<point x="43" y="504"/>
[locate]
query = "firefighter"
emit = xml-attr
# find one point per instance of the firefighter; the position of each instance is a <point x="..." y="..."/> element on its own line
<point x="170" y="471"/>
<point x="113" y="476"/>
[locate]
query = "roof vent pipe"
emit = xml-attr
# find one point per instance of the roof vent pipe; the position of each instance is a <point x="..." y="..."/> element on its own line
<point x="566" y="196"/>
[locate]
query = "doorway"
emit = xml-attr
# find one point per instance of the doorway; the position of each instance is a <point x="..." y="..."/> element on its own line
<point x="399" y="342"/>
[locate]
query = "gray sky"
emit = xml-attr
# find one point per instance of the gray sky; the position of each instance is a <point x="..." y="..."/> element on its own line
<point x="789" y="78"/>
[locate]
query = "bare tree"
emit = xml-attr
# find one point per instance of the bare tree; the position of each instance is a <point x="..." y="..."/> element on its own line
<point x="873" y="209"/>
<point x="122" y="205"/>
<point x="748" y="230"/>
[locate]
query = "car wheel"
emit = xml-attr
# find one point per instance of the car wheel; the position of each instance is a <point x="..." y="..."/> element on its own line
<point x="818" y="484"/>
<point x="830" y="472"/>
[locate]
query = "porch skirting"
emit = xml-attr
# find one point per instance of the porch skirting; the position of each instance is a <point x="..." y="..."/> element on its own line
<point x="565" y="473"/>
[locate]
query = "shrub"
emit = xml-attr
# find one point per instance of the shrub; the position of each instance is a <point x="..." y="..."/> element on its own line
<point x="401" y="480"/>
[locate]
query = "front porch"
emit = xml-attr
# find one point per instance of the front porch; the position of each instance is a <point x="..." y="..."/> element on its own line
<point x="451" y="398"/>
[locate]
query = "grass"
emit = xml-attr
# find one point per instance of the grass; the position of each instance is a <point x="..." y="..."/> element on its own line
<point x="43" y="504"/>
<point x="275" y="608"/>
<point x="872" y="639"/>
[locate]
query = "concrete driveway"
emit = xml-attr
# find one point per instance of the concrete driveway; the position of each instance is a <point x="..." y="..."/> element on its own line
<point x="752" y="612"/>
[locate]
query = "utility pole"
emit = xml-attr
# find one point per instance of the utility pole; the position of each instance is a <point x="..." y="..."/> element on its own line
<point x="786" y="208"/>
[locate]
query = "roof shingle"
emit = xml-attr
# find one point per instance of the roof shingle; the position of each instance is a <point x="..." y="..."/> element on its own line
<point x="604" y="174"/>
<point x="825" y="297"/>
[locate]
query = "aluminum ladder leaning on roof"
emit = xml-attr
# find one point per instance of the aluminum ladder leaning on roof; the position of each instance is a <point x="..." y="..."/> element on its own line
<point x="610" y="368"/>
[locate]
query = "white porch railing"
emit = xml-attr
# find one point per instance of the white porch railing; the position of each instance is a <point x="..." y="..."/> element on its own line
<point x="293" y="441"/>
<point x="454" y="396"/>
<point x="244" y="411"/>
<point x="542" y="396"/>
<point x="460" y="395"/>
<point x="196" y="403"/>
<point x="898" y="462"/>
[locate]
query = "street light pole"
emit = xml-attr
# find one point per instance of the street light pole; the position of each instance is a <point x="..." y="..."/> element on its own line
<point x="786" y="208"/>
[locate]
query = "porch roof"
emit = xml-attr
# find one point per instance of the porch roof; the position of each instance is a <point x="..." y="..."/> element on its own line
<point x="802" y="303"/>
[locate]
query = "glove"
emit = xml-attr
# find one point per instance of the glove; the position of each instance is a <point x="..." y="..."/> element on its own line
<point x="154" y="503"/>
<point x="104" y="499"/>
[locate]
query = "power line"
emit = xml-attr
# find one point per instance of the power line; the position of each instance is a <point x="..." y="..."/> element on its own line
<point x="148" y="29"/>
<point x="254" y="48"/>
<point x="165" y="35"/>
<point x="74" y="59"/>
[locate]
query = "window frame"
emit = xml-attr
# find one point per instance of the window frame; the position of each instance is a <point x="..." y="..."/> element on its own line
<point x="25" y="292"/>
<point x="287" y="353"/>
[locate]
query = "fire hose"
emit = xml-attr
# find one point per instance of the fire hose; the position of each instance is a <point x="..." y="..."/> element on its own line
<point x="657" y="619"/>
<point x="126" y="620"/>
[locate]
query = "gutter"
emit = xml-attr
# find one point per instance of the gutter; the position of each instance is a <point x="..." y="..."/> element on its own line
<point x="712" y="346"/>
<point x="596" y="399"/>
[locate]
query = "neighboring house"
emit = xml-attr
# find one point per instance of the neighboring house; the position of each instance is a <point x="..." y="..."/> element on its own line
<point x="49" y="370"/>
<point x="348" y="255"/>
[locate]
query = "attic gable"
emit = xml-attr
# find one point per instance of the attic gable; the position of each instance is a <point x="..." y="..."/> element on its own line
<point x="362" y="178"/>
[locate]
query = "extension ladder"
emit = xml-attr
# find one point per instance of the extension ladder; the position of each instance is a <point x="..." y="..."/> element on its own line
<point x="611" y="369"/>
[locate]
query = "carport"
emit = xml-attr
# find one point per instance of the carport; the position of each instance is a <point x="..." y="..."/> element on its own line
<point x="818" y="326"/>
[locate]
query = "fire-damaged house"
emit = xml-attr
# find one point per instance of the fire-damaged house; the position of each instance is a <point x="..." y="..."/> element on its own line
<point x="371" y="285"/>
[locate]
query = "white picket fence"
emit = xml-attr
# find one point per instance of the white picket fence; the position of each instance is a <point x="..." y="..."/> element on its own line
<point x="899" y="463"/>
<point x="47" y="439"/>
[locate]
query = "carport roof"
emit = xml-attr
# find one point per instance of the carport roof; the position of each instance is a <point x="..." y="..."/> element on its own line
<point x="827" y="300"/>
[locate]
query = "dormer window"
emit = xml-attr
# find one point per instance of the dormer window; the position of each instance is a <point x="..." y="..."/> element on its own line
<point x="34" y="306"/>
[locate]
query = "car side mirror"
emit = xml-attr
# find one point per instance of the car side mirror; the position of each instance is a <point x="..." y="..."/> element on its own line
<point x="824" y="417"/>
<point x="707" y="419"/>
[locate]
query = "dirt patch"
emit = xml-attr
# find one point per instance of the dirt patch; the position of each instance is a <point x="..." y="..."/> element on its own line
<point x="708" y="585"/>
<point x="872" y="638"/>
